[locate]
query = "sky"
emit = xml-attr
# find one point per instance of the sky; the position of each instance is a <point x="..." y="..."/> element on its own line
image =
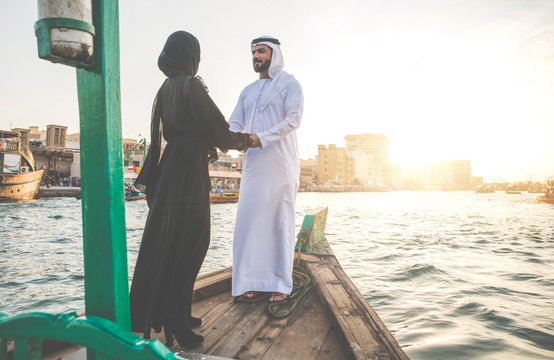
<point x="442" y="79"/>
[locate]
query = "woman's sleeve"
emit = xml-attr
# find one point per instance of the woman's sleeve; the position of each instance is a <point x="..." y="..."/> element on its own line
<point x="237" y="119"/>
<point x="207" y="116"/>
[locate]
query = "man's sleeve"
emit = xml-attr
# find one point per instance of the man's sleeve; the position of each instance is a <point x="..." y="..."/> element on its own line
<point x="237" y="119"/>
<point x="294" y="105"/>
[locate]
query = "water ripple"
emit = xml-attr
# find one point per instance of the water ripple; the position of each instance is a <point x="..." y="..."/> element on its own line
<point x="454" y="275"/>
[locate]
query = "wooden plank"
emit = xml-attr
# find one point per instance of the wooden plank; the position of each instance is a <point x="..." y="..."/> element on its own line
<point x="259" y="345"/>
<point x="202" y="307"/>
<point x="333" y="348"/>
<point x="247" y="328"/>
<point x="306" y="257"/>
<point x="305" y="334"/>
<point x="209" y="311"/>
<point x="371" y="317"/>
<point x="327" y="289"/>
<point x="201" y="279"/>
<point x="212" y="283"/>
<point x="364" y="334"/>
<point x="225" y="333"/>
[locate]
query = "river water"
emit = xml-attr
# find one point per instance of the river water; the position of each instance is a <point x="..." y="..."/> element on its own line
<point x="454" y="275"/>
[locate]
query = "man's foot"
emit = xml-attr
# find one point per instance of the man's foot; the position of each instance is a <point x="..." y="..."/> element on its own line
<point x="251" y="297"/>
<point x="277" y="297"/>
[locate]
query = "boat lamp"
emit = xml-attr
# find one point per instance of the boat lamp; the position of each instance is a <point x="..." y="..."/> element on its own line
<point x="65" y="33"/>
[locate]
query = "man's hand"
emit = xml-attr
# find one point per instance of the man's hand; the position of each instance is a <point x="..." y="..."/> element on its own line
<point x="255" y="141"/>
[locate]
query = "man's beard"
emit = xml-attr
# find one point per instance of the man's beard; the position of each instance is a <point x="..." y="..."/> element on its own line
<point x="263" y="67"/>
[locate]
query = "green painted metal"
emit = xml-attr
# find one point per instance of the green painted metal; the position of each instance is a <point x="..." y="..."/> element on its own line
<point x="104" y="239"/>
<point x="109" y="340"/>
<point x="3" y="349"/>
<point x="311" y="238"/>
<point x="42" y="32"/>
<point x="27" y="349"/>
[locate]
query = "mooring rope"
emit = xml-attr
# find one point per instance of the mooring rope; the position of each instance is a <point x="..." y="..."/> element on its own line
<point x="302" y="284"/>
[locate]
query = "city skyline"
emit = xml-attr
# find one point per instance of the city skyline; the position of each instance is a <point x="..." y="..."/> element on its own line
<point x="73" y="138"/>
<point x="441" y="79"/>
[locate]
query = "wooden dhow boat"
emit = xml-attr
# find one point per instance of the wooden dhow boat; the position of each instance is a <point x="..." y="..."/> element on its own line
<point x="545" y="200"/>
<point x="224" y="197"/>
<point x="18" y="178"/>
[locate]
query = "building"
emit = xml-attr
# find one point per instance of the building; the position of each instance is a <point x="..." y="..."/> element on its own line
<point x="457" y="174"/>
<point x="446" y="175"/>
<point x="59" y="153"/>
<point x="308" y="172"/>
<point x="56" y="137"/>
<point x="225" y="172"/>
<point x="392" y="176"/>
<point x="364" y="168"/>
<point x="476" y="181"/>
<point x="134" y="152"/>
<point x="334" y="165"/>
<point x="378" y="147"/>
<point x="53" y="154"/>
<point x="36" y="134"/>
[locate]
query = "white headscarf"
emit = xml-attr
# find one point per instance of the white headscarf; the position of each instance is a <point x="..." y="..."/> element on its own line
<point x="280" y="78"/>
<point x="277" y="62"/>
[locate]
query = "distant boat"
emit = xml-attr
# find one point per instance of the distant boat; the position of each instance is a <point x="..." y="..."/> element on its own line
<point x="140" y="196"/>
<point x="484" y="189"/>
<point x="18" y="178"/>
<point x="545" y="200"/>
<point x="225" y="177"/>
<point x="511" y="189"/>
<point x="222" y="198"/>
<point x="548" y="197"/>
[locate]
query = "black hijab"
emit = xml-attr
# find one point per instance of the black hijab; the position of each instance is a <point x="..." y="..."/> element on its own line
<point x="180" y="55"/>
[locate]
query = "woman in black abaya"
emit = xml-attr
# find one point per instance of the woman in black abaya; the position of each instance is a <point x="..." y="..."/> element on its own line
<point x="177" y="185"/>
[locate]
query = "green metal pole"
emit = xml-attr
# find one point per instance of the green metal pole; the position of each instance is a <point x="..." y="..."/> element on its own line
<point x="104" y="240"/>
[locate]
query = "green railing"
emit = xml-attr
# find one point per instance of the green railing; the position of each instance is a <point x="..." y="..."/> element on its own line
<point x="108" y="339"/>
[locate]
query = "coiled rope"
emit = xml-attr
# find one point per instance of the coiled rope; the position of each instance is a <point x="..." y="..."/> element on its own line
<point x="302" y="285"/>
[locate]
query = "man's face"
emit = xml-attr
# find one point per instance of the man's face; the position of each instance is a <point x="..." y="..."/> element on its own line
<point x="261" y="58"/>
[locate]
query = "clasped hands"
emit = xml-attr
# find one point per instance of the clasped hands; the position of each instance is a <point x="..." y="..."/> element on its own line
<point x="254" y="141"/>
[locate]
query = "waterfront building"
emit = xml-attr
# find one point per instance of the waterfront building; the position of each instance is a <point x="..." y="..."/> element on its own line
<point x="446" y="175"/>
<point x="56" y="137"/>
<point x="334" y="165"/>
<point x="457" y="174"/>
<point x="308" y="172"/>
<point x="228" y="162"/>
<point x="133" y="152"/>
<point x="392" y="176"/>
<point x="364" y="168"/>
<point x="53" y="154"/>
<point x="59" y="152"/>
<point x="378" y="147"/>
<point x="225" y="172"/>
<point x="36" y="134"/>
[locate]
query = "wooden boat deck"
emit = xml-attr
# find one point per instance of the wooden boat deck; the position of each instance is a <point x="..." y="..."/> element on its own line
<point x="333" y="322"/>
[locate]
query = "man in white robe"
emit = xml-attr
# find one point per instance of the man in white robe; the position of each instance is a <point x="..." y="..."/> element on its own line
<point x="270" y="110"/>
